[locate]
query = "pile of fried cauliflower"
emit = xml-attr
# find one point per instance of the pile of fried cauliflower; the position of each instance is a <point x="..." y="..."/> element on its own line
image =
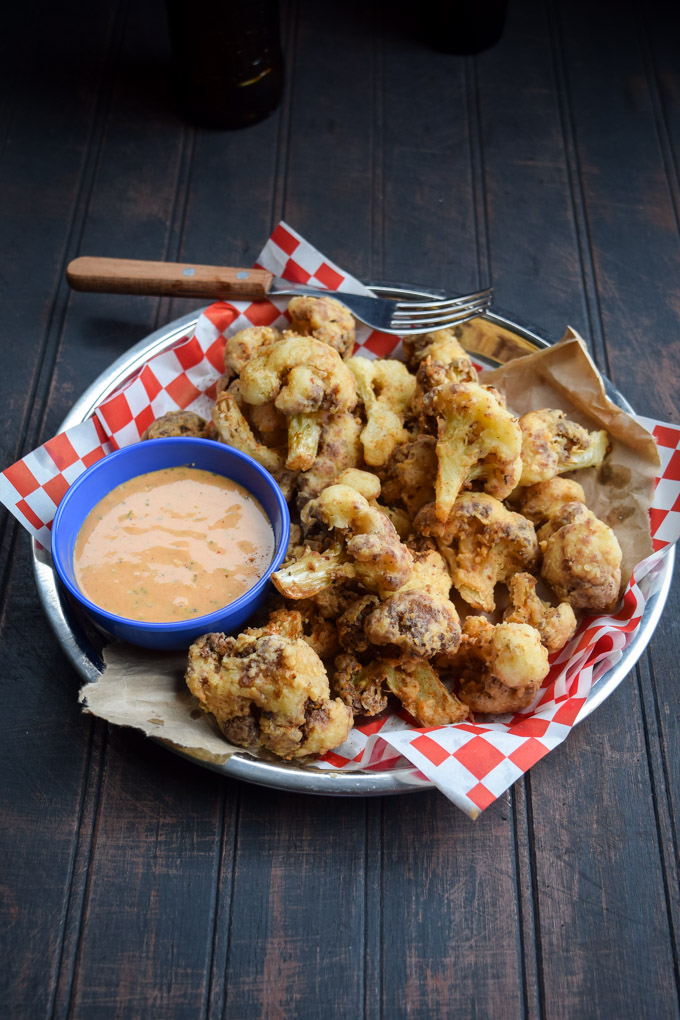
<point x="437" y="554"/>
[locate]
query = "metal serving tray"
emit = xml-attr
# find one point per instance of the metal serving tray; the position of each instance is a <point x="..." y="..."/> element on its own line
<point x="497" y="340"/>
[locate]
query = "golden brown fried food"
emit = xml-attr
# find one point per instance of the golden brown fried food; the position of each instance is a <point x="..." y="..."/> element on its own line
<point x="324" y="318"/>
<point x="339" y="449"/>
<point x="386" y="388"/>
<point x="381" y="561"/>
<point x="417" y="685"/>
<point x="581" y="558"/>
<point x="486" y="543"/>
<point x="246" y="344"/>
<point x="419" y="619"/>
<point x="179" y="423"/>
<point x="437" y="358"/>
<point x="350" y="624"/>
<point x="551" y="445"/>
<point x="477" y="440"/>
<point x="414" y="682"/>
<point x="541" y="501"/>
<point x="360" y="687"/>
<point x="268" y="688"/>
<point x="555" y="624"/>
<point x="410" y="474"/>
<point x="500" y="667"/>
<point x="303" y="377"/>
<point x="233" y="429"/>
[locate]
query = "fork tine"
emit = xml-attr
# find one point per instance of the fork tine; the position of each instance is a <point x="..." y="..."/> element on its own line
<point x="447" y="316"/>
<point x="435" y="314"/>
<point x="425" y="325"/>
<point x="442" y="303"/>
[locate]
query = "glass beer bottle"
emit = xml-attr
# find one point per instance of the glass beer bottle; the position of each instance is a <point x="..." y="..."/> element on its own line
<point x="227" y="60"/>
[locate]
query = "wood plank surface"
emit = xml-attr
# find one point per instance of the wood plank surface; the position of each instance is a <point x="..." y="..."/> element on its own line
<point x="136" y="884"/>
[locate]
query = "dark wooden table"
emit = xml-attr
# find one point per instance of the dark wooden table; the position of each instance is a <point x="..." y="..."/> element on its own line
<point x="136" y="884"/>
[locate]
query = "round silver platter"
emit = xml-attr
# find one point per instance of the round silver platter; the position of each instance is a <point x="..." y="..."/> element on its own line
<point x="499" y="336"/>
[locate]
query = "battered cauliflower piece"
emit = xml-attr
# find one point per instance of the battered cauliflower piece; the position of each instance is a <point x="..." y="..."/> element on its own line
<point x="350" y="624"/>
<point x="233" y="429"/>
<point x="410" y="474"/>
<point x="555" y="624"/>
<point x="477" y="439"/>
<point x="500" y="667"/>
<point x="303" y="377"/>
<point x="551" y="445"/>
<point x="486" y="543"/>
<point x="413" y="681"/>
<point x="363" y="482"/>
<point x="540" y="502"/>
<point x="246" y="344"/>
<point x="417" y="685"/>
<point x="179" y="423"/>
<point x="386" y="389"/>
<point x="438" y="359"/>
<point x="339" y="449"/>
<point x="313" y="571"/>
<point x="267" y="688"/>
<point x="361" y="688"/>
<point x="326" y="319"/>
<point x="581" y="558"/>
<point x="381" y="561"/>
<point x="419" y="619"/>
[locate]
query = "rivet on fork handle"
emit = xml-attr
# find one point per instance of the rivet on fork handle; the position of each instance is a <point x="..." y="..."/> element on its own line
<point x="174" y="279"/>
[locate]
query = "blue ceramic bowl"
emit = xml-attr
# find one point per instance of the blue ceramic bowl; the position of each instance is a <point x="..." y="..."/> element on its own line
<point x="152" y="455"/>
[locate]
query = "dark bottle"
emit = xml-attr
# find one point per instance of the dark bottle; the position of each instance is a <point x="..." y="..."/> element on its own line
<point x="463" y="26"/>
<point x="227" y="60"/>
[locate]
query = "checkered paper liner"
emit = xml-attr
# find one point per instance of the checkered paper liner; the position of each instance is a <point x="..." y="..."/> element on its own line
<point x="472" y="762"/>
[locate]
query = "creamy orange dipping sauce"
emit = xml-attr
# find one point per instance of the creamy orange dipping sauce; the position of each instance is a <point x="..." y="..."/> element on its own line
<point x="172" y="544"/>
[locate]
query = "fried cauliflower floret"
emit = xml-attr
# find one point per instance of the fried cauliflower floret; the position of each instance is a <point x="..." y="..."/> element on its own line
<point x="419" y="619"/>
<point x="350" y="624"/>
<point x="477" y="440"/>
<point x="267" y="689"/>
<point x="437" y="359"/>
<point x="414" y="682"/>
<point x="361" y="688"/>
<point x="324" y="318"/>
<point x="417" y="685"/>
<point x="179" y="423"/>
<point x="313" y="571"/>
<point x="500" y="667"/>
<point x="339" y="449"/>
<point x="410" y="474"/>
<point x="555" y="624"/>
<point x="233" y="429"/>
<point x="246" y="344"/>
<point x="381" y="561"/>
<point x="551" y="445"/>
<point x="363" y="482"/>
<point x="540" y="502"/>
<point x="303" y="377"/>
<point x="386" y="388"/>
<point x="486" y="543"/>
<point x="581" y="558"/>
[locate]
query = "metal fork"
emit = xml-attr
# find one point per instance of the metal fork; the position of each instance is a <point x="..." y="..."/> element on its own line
<point x="399" y="317"/>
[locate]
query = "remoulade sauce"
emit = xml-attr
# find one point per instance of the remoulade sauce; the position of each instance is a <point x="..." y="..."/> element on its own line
<point x="172" y="544"/>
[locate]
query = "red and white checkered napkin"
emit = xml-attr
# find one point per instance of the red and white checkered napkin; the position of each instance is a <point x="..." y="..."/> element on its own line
<point x="472" y="763"/>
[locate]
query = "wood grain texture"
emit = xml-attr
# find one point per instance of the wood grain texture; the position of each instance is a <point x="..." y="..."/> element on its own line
<point x="135" y="884"/>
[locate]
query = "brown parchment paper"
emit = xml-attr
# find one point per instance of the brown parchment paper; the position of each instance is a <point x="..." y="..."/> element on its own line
<point x="619" y="492"/>
<point x="146" y="689"/>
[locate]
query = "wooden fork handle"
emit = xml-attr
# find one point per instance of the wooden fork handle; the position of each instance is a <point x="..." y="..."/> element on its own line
<point x="176" y="279"/>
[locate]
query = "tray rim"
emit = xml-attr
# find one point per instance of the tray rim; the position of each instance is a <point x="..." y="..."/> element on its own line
<point x="283" y="776"/>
